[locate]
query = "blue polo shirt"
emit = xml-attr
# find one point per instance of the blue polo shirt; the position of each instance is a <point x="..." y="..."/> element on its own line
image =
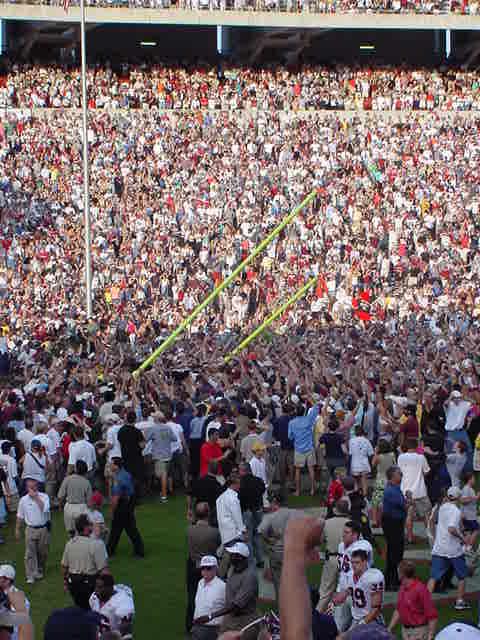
<point x="394" y="502"/>
<point x="300" y="431"/>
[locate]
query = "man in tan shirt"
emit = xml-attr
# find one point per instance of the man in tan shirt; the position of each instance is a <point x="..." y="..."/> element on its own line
<point x="76" y="492"/>
<point x="203" y="540"/>
<point x="83" y="559"/>
<point x="332" y="532"/>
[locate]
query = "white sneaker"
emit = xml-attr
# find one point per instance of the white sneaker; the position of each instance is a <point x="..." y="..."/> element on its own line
<point x="30" y="580"/>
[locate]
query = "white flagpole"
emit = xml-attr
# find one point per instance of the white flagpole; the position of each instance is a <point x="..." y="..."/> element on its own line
<point x="86" y="168"/>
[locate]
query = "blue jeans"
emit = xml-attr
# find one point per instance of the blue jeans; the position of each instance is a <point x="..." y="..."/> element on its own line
<point x="460" y="435"/>
<point x="252" y="519"/>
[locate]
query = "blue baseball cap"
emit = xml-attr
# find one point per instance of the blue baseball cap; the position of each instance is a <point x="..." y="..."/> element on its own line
<point x="72" y="623"/>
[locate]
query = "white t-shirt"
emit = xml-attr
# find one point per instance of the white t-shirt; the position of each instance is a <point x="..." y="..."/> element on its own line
<point x="54" y="441"/>
<point x="25" y="436"/>
<point x="112" y="438"/>
<point x="178" y="432"/>
<point x="446" y="545"/>
<point x="32" y="469"/>
<point x="82" y="450"/>
<point x="360" y="449"/>
<point x="456" y="414"/>
<point x="259" y="469"/>
<point x="345" y="560"/>
<point x="362" y="589"/>
<point x="10" y="467"/>
<point x="469" y="511"/>
<point x="210" y="598"/>
<point x="119" y="607"/>
<point x="413" y="466"/>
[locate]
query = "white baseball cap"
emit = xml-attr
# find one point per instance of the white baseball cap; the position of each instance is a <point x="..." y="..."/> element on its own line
<point x="241" y="548"/>
<point x="454" y="493"/>
<point x="208" y="561"/>
<point x="7" y="571"/>
<point x="458" y="631"/>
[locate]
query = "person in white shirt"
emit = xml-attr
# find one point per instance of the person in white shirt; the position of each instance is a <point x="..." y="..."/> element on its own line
<point x="365" y="586"/>
<point x="35" y="464"/>
<point x="361" y="451"/>
<point x="11" y="471"/>
<point x="230" y="522"/>
<point x="448" y="547"/>
<point x="81" y="449"/>
<point x="210" y="598"/>
<point x="178" y="466"/>
<point x="114" y="603"/>
<point x="26" y="435"/>
<point x="351" y="541"/>
<point x="53" y="446"/>
<point x="469" y="501"/>
<point x="112" y="446"/>
<point x="34" y="512"/>
<point x="414" y="467"/>
<point x="19" y="603"/>
<point x="456" y="410"/>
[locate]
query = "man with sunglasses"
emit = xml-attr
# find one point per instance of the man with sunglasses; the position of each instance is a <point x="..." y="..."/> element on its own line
<point x="210" y="599"/>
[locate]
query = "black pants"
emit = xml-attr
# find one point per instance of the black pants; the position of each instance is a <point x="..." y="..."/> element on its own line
<point x="394" y="531"/>
<point x="193" y="578"/>
<point x="81" y="588"/>
<point x="124" y="518"/>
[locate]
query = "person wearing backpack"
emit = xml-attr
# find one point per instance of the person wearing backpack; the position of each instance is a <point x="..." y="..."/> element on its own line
<point x="34" y="464"/>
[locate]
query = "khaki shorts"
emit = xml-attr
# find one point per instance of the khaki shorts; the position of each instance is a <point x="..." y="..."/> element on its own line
<point x="302" y="459"/>
<point x="161" y="468"/>
<point x="420" y="508"/>
<point x="417" y="633"/>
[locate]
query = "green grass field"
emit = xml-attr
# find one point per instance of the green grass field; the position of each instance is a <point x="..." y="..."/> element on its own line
<point x="158" y="581"/>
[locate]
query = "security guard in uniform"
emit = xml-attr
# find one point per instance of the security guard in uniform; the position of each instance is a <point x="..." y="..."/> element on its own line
<point x="83" y="559"/>
<point x="123" y="510"/>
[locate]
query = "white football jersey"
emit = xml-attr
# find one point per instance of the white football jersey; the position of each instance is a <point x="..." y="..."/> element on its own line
<point x="361" y="590"/>
<point x="345" y="560"/>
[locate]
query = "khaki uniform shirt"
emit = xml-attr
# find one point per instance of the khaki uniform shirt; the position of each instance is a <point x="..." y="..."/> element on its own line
<point x="76" y="489"/>
<point x="84" y="555"/>
<point x="333" y="532"/>
<point x="203" y="540"/>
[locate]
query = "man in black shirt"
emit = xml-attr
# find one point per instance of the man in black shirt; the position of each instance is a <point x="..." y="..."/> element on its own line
<point x="132" y="444"/>
<point x="251" y="501"/>
<point x="205" y="489"/>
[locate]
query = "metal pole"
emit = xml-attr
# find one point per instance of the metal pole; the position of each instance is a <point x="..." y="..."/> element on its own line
<point x="86" y="168"/>
<point x="221" y="287"/>
<point x="276" y="314"/>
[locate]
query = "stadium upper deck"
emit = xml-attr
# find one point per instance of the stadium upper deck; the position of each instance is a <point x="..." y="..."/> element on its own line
<point x="387" y="14"/>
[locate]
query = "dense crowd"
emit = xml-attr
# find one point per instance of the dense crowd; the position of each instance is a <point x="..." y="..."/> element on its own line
<point x="397" y="199"/>
<point x="197" y="86"/>
<point x="462" y="7"/>
<point x="378" y="366"/>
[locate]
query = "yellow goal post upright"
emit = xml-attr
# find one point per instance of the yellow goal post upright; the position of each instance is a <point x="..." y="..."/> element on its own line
<point x="223" y="285"/>
<point x="271" y="318"/>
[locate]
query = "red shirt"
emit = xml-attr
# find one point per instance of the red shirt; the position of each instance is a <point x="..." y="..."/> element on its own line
<point x="335" y="492"/>
<point x="209" y="451"/>
<point x="410" y="428"/>
<point x="415" y="604"/>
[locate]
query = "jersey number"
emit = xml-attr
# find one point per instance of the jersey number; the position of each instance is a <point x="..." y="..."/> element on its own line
<point x="344" y="563"/>
<point x="358" y="598"/>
